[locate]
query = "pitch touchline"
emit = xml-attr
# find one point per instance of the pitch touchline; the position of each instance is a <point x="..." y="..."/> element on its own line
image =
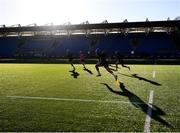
<point x="149" y="113"/>
<point x="66" y="99"/>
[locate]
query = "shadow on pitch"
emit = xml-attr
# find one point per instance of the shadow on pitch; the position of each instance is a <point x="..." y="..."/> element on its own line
<point x="87" y="70"/>
<point x="141" y="78"/>
<point x="74" y="74"/>
<point x="139" y="103"/>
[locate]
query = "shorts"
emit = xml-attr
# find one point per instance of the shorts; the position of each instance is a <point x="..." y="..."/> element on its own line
<point x="70" y="59"/>
<point x="103" y="63"/>
<point x="82" y="60"/>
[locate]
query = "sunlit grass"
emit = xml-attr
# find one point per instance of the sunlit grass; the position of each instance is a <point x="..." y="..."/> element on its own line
<point x="55" y="81"/>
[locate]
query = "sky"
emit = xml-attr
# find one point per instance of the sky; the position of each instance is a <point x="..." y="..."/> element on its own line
<point x="43" y="12"/>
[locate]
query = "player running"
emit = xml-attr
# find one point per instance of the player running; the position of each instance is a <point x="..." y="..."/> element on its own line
<point x="82" y="58"/>
<point x="103" y="62"/>
<point x="119" y="60"/>
<point x="69" y="55"/>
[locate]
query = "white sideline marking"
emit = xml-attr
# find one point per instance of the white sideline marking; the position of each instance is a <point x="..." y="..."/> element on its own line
<point x="154" y="74"/>
<point x="66" y="99"/>
<point x="149" y="113"/>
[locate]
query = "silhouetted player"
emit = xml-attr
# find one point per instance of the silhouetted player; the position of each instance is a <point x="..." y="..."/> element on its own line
<point x="69" y="55"/>
<point x="82" y="58"/>
<point x="101" y="55"/>
<point x="119" y="60"/>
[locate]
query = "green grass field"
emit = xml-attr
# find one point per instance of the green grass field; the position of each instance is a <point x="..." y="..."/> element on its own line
<point x="47" y="97"/>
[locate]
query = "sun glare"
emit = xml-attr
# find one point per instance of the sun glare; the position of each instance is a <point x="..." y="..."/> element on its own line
<point x="56" y="11"/>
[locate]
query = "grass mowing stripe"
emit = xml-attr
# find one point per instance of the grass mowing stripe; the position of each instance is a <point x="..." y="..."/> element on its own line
<point x="149" y="113"/>
<point x="66" y="99"/>
<point x="154" y="74"/>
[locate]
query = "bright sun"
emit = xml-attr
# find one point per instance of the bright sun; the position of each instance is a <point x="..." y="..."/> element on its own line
<point x="56" y="11"/>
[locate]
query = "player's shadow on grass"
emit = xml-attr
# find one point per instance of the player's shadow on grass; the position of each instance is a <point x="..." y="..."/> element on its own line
<point x="87" y="70"/>
<point x="139" y="103"/>
<point x="74" y="73"/>
<point x="141" y="78"/>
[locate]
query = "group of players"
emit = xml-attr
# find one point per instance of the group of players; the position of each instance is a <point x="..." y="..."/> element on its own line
<point x="102" y="61"/>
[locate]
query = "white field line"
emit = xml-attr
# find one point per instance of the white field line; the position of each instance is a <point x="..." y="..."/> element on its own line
<point x="73" y="100"/>
<point x="149" y="113"/>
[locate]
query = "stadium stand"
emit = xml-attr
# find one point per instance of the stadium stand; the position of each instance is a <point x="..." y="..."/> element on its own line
<point x="8" y="46"/>
<point x="158" y="42"/>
